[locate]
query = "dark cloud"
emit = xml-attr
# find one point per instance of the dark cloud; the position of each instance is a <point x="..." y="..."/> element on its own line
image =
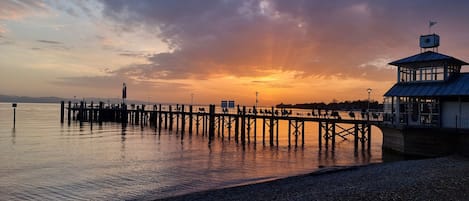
<point x="50" y="42"/>
<point x="249" y="37"/>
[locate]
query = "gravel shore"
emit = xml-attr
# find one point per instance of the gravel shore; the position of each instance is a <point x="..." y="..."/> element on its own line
<point x="444" y="178"/>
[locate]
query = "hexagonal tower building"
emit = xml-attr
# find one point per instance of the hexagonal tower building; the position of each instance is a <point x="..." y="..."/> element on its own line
<point x="427" y="111"/>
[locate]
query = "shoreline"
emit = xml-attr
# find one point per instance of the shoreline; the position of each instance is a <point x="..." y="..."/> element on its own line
<point x="444" y="178"/>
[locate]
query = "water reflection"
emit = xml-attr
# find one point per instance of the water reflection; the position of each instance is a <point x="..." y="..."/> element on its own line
<point x="123" y="138"/>
<point x="13" y="136"/>
<point x="118" y="161"/>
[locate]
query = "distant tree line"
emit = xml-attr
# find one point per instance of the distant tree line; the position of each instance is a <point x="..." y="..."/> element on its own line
<point x="345" y="105"/>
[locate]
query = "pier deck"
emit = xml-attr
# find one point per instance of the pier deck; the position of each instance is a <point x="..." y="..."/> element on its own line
<point x="238" y="122"/>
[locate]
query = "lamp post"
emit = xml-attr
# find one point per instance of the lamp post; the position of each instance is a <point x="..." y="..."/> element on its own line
<point x="368" y="110"/>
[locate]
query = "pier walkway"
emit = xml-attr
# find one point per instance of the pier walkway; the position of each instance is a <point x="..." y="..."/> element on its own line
<point x="239" y="122"/>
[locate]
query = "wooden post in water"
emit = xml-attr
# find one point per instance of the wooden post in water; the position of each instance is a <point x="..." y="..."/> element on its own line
<point x="255" y="126"/>
<point x="320" y="135"/>
<point x="263" y="131"/>
<point x="190" y="119"/>
<point x="249" y="129"/>
<point x="143" y="119"/>
<point x="237" y="124"/>
<point x="271" y="130"/>
<point x="183" y="121"/>
<point x="355" y="136"/>
<point x="160" y="118"/>
<point x="333" y="135"/>
<point x="296" y="132"/>
<point x="211" y="132"/>
<point x="80" y="114"/>
<point x="91" y="113"/>
<point x="363" y="136"/>
<point x="243" y="126"/>
<point x="69" y="112"/>
<point x="276" y="129"/>
<point x="62" y="112"/>
<point x="14" y="114"/>
<point x="197" y="123"/>
<point x="177" y="117"/>
<point x="124" y="114"/>
<point x="229" y="127"/>
<point x="203" y="124"/>
<point x="303" y="134"/>
<point x="219" y="125"/>
<point x="369" y="136"/>
<point x="223" y="127"/>
<point x="101" y="112"/>
<point x="170" y="118"/>
<point x="289" y="133"/>
<point x="137" y="115"/>
<point x="327" y="135"/>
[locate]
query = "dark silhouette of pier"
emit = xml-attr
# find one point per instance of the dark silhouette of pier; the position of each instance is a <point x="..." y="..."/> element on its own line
<point x="238" y="123"/>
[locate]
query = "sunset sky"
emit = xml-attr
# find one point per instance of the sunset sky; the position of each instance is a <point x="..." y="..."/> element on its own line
<point x="291" y="51"/>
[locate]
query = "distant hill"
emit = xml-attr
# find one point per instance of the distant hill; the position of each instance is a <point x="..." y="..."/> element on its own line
<point x="27" y="99"/>
<point x="346" y="105"/>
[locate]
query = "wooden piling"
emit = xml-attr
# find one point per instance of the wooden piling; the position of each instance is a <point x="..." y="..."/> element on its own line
<point x="271" y="128"/>
<point x="177" y="118"/>
<point x="263" y="131"/>
<point x="302" y="134"/>
<point x="289" y="133"/>
<point x="170" y="118"/>
<point x="183" y="121"/>
<point x="320" y="135"/>
<point x="190" y="119"/>
<point x="355" y="136"/>
<point x="296" y="133"/>
<point x="69" y="112"/>
<point x="222" y="127"/>
<point x="333" y="135"/>
<point x="243" y="126"/>
<point x="211" y="123"/>
<point x="62" y="111"/>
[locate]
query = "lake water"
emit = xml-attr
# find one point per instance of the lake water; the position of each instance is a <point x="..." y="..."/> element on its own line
<point x="41" y="159"/>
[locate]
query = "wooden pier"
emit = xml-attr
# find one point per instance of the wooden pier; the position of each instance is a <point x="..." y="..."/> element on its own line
<point x="239" y="124"/>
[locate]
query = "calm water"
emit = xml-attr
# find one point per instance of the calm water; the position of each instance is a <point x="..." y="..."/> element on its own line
<point x="42" y="159"/>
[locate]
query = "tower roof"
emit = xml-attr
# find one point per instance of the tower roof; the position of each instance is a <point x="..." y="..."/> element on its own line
<point x="428" y="56"/>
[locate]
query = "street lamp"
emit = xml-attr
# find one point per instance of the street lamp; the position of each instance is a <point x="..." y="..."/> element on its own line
<point x="368" y="111"/>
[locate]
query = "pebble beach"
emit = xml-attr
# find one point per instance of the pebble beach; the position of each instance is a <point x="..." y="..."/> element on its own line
<point x="445" y="178"/>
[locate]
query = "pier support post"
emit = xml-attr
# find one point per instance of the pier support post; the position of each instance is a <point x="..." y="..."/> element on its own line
<point x="320" y="126"/>
<point x="190" y="119"/>
<point x="333" y="136"/>
<point x="177" y="117"/>
<point x="263" y="131"/>
<point x="243" y="126"/>
<point x="62" y="112"/>
<point x="303" y="134"/>
<point x="183" y="121"/>
<point x="355" y="136"/>
<point x="170" y="118"/>
<point x="271" y="128"/>
<point x="211" y="123"/>
<point x="289" y="133"/>
<point x="69" y="112"/>
<point x="369" y="136"/>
